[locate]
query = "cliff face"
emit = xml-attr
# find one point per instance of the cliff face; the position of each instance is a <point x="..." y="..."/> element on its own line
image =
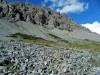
<point x="20" y="17"/>
<point x="37" y="15"/>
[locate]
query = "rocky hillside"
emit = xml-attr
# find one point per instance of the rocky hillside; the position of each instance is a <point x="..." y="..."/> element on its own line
<point x="47" y="42"/>
<point x="17" y="58"/>
<point x="17" y="11"/>
<point x="26" y="18"/>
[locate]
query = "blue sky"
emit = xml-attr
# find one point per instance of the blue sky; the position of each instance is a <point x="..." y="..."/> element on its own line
<point x="90" y="15"/>
<point x="85" y="12"/>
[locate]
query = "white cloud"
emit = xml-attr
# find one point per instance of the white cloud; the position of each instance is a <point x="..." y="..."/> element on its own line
<point x="94" y="27"/>
<point x="50" y="0"/>
<point x="72" y="8"/>
<point x="67" y="6"/>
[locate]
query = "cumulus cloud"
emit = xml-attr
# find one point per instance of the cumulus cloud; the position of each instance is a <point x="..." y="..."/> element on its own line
<point x="94" y="27"/>
<point x="67" y="6"/>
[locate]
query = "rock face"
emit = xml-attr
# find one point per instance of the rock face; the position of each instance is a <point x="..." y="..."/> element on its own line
<point x="30" y="59"/>
<point x="37" y="15"/>
<point x="39" y="21"/>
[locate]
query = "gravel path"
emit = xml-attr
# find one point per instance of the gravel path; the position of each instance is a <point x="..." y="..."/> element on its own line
<point x="18" y="58"/>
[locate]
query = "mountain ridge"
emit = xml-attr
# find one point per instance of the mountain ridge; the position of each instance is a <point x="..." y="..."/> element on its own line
<point x="19" y="11"/>
<point x="26" y="18"/>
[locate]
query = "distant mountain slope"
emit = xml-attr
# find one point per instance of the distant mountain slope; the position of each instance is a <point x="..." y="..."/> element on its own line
<point x="19" y="11"/>
<point x="38" y="21"/>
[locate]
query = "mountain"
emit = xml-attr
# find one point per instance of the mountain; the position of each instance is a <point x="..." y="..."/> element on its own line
<point x="19" y="20"/>
<point x="15" y="12"/>
<point x="36" y="40"/>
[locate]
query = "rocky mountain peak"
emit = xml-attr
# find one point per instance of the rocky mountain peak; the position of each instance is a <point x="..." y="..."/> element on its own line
<point x="19" y="11"/>
<point x="1" y="0"/>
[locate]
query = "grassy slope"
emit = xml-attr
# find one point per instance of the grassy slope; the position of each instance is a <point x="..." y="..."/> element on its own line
<point x="81" y="44"/>
<point x="34" y="39"/>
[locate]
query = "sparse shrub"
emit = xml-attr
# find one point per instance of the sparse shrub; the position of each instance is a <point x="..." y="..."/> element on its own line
<point x="54" y="36"/>
<point x="65" y="41"/>
<point x="86" y="39"/>
<point x="25" y="36"/>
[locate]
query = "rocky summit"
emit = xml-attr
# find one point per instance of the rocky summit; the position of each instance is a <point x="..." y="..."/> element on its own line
<point x="36" y="40"/>
<point x="37" y="15"/>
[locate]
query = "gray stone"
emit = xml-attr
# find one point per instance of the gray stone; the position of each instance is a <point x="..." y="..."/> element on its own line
<point x="43" y="63"/>
<point x="55" y="71"/>
<point x="42" y="16"/>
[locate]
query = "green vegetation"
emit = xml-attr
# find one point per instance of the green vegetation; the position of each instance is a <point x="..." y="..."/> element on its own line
<point x="58" y="38"/>
<point x="34" y="39"/>
<point x="94" y="62"/>
<point x="13" y="70"/>
<point x="54" y="36"/>
<point x="81" y="44"/>
<point x="25" y="36"/>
